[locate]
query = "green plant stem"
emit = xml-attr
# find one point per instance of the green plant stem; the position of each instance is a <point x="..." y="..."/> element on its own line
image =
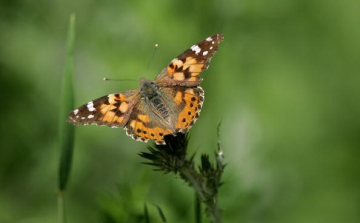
<point x="214" y="211"/>
<point x="197" y="209"/>
<point x="189" y="174"/>
<point x="61" y="208"/>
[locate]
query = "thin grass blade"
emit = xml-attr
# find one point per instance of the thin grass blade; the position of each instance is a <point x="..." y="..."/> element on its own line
<point x="146" y="214"/>
<point x="161" y="213"/>
<point x="66" y="131"/>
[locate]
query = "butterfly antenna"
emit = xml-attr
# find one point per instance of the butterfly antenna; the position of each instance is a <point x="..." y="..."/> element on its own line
<point x="147" y="67"/>
<point x="152" y="57"/>
<point x="111" y="79"/>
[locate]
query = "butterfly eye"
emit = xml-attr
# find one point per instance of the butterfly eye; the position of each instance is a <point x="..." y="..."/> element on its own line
<point x="153" y="85"/>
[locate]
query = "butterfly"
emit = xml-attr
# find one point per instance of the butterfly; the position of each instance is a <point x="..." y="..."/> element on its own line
<point x="169" y="104"/>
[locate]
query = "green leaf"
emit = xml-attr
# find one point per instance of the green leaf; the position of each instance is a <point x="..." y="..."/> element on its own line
<point x="66" y="130"/>
<point x="161" y="213"/>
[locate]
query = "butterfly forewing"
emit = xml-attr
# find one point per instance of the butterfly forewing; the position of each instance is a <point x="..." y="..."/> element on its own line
<point x="111" y="110"/>
<point x="185" y="68"/>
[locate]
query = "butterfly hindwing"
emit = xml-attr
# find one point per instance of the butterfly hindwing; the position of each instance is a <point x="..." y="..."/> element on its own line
<point x="112" y="110"/>
<point x="144" y="123"/>
<point x="187" y="106"/>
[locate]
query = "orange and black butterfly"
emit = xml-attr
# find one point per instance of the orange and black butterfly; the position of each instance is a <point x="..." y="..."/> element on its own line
<point x="169" y="104"/>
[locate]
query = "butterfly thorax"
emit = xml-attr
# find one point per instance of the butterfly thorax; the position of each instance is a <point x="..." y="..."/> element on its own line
<point x="148" y="88"/>
<point x="150" y="92"/>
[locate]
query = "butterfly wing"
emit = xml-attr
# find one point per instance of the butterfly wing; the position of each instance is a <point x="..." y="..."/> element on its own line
<point x="183" y="104"/>
<point x="185" y="68"/>
<point x="187" y="105"/>
<point x="145" y="123"/>
<point x="112" y="110"/>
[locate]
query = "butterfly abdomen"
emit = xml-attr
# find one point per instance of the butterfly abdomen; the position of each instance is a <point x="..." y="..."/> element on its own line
<point x="160" y="106"/>
<point x="150" y="92"/>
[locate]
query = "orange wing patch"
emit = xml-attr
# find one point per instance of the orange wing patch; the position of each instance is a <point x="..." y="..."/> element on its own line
<point x="108" y="117"/>
<point x="144" y="118"/>
<point x="194" y="98"/>
<point x="123" y="106"/>
<point x="118" y="119"/>
<point x="178" y="97"/>
<point x="113" y="112"/>
<point x="179" y="76"/>
<point x="174" y="66"/>
<point x="104" y="108"/>
<point x="193" y="66"/>
<point x="186" y="69"/>
<point x="139" y="131"/>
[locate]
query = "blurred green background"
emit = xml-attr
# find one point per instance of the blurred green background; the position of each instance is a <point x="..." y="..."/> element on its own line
<point x="285" y="84"/>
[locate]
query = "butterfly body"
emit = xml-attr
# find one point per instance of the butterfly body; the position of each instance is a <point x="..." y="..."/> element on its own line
<point x="169" y="104"/>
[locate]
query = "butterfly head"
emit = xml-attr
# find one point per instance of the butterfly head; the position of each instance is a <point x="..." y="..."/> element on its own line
<point x="148" y="88"/>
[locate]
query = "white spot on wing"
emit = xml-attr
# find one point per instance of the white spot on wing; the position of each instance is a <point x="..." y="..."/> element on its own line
<point x="76" y="111"/>
<point x="211" y="48"/>
<point x="196" y="48"/>
<point x="209" y="39"/>
<point x="205" y="53"/>
<point x="212" y="42"/>
<point x="83" y="118"/>
<point x="90" y="106"/>
<point x="91" y="116"/>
